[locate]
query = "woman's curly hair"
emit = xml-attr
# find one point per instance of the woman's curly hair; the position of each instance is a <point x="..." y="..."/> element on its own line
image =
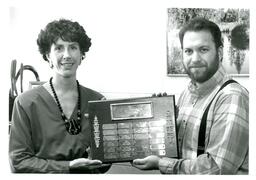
<point x="66" y="30"/>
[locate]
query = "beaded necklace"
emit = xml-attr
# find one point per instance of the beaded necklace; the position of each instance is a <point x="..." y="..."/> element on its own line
<point x="72" y="126"/>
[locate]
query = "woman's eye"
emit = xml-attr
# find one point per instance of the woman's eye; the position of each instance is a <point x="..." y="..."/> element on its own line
<point x="73" y="47"/>
<point x="58" y="48"/>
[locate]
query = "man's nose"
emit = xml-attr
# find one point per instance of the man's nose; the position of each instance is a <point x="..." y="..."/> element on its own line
<point x="196" y="57"/>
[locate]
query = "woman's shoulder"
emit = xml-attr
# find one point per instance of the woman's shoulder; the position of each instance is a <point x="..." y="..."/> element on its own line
<point x="30" y="95"/>
<point x="90" y="93"/>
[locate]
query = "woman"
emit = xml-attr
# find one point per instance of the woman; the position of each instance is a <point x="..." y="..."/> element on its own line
<point x="50" y="132"/>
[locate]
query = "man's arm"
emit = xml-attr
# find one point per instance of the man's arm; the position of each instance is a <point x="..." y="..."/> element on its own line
<point x="227" y="146"/>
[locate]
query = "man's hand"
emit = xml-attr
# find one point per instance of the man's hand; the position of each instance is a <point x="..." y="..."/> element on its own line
<point x="148" y="163"/>
<point x="159" y="94"/>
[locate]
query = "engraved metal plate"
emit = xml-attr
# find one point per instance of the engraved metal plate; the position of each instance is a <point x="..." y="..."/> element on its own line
<point x="126" y="129"/>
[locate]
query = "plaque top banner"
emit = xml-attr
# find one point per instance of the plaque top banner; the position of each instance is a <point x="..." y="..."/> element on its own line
<point x="127" y="129"/>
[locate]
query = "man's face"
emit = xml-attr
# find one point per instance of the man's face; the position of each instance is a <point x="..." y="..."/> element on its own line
<point x="200" y="56"/>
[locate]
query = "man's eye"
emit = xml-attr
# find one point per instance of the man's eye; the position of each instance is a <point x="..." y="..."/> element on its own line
<point x="204" y="50"/>
<point x="188" y="51"/>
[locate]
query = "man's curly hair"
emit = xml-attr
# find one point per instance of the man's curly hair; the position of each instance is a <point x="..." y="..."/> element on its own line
<point x="65" y="29"/>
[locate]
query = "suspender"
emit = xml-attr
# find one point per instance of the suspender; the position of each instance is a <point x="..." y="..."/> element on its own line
<point x="201" y="137"/>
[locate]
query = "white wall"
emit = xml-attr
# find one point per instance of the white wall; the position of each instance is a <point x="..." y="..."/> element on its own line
<point x="128" y="53"/>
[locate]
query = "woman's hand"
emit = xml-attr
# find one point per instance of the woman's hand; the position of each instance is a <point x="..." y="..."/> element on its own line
<point x="84" y="163"/>
<point x="148" y="163"/>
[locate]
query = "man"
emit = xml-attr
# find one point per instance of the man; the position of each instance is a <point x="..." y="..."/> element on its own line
<point x="226" y="132"/>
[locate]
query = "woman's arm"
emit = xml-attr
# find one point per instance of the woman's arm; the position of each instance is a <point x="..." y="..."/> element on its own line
<point x="21" y="149"/>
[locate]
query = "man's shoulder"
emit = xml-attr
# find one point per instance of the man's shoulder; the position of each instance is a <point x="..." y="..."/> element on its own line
<point x="235" y="88"/>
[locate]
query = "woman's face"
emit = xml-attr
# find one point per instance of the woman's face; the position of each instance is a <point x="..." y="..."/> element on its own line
<point x="65" y="57"/>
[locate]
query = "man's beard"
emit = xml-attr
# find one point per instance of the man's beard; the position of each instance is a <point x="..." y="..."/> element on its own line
<point x="207" y="74"/>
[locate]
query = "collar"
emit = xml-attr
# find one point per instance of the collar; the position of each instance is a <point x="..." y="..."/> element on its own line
<point x="206" y="87"/>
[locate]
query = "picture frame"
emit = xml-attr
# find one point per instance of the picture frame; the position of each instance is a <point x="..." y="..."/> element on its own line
<point x="234" y="25"/>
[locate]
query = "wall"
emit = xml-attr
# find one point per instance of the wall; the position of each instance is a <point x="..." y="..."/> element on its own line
<point x="128" y="53"/>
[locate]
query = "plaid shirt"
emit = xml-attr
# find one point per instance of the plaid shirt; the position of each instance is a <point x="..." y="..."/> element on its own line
<point x="227" y="131"/>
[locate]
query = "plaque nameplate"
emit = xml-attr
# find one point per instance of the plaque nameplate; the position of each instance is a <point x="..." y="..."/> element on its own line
<point x="126" y="129"/>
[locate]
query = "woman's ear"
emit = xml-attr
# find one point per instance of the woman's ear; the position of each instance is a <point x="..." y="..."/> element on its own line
<point x="47" y="56"/>
<point x="49" y="61"/>
<point x="82" y="58"/>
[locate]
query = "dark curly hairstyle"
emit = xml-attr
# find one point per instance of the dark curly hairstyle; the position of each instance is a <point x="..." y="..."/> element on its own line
<point x="202" y="24"/>
<point x="65" y="29"/>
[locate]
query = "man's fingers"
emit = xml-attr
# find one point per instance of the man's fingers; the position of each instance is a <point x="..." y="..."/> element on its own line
<point x="159" y="94"/>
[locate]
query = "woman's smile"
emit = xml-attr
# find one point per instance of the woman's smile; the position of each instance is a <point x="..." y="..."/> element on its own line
<point x="67" y="64"/>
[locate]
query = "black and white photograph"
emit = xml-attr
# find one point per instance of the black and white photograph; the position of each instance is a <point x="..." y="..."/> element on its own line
<point x="128" y="87"/>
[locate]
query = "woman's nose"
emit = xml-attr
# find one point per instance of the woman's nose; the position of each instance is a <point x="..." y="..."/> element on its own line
<point x="66" y="53"/>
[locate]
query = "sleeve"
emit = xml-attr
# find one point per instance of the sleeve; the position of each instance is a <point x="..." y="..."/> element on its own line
<point x="21" y="151"/>
<point x="228" y="144"/>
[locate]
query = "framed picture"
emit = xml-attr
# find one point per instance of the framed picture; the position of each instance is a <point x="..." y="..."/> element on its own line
<point x="234" y="25"/>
